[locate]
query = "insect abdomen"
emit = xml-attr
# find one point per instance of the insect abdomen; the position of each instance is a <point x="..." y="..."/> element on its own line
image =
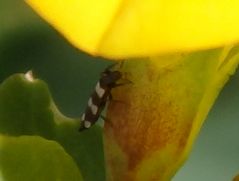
<point x="96" y="104"/>
<point x="98" y="99"/>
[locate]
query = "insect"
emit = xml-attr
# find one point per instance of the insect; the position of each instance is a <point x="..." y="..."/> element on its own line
<point x="100" y="96"/>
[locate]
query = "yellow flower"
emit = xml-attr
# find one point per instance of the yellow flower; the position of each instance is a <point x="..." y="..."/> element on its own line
<point x="236" y="178"/>
<point x="123" y="29"/>
<point x="151" y="133"/>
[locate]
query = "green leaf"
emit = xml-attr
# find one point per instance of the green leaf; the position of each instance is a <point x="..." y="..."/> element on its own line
<point x="26" y="108"/>
<point x="34" y="158"/>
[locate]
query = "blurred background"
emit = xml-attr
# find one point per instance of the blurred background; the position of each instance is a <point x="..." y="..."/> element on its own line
<point x="29" y="43"/>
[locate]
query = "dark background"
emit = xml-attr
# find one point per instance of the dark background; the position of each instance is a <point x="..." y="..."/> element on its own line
<point x="27" y="42"/>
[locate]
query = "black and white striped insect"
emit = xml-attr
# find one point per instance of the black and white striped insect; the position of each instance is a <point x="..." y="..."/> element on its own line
<point x="100" y="96"/>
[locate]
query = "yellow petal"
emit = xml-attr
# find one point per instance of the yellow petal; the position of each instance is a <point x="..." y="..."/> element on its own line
<point x="119" y="29"/>
<point x="152" y="130"/>
<point x="83" y="22"/>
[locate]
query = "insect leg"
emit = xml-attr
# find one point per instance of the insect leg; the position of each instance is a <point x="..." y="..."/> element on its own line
<point x="114" y="64"/>
<point x="111" y="66"/>
<point x="106" y="120"/>
<point x="110" y="98"/>
<point x="121" y="84"/>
